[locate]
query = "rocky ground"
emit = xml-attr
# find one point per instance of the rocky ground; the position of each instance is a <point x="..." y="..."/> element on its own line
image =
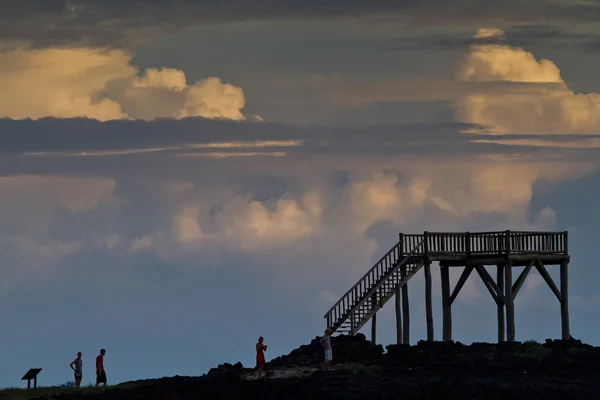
<point x="553" y="370"/>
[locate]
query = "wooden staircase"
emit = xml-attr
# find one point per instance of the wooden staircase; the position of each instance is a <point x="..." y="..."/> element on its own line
<point x="377" y="286"/>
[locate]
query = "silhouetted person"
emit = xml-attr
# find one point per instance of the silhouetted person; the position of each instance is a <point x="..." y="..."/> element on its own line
<point x="100" y="373"/>
<point x="77" y="366"/>
<point x="326" y="343"/>
<point x="260" y="356"/>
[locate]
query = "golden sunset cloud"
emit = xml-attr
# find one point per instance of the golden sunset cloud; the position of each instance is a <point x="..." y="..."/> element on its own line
<point x="558" y="110"/>
<point x="105" y="85"/>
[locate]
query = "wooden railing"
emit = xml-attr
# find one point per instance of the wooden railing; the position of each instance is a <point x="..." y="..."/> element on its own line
<point x="360" y="301"/>
<point x="386" y="287"/>
<point x="364" y="285"/>
<point x="490" y="243"/>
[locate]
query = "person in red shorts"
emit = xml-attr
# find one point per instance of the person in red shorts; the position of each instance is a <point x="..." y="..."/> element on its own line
<point x="260" y="355"/>
<point x="100" y="373"/>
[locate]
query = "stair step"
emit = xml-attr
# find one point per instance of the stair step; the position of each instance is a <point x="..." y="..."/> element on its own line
<point x="386" y="282"/>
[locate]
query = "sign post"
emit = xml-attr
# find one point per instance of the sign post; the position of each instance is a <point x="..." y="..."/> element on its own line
<point x="31" y="374"/>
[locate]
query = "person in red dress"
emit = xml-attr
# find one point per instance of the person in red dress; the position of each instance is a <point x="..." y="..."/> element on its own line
<point x="260" y="355"/>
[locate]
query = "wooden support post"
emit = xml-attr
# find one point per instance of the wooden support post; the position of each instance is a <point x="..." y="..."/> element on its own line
<point x="398" y="316"/>
<point x="405" y="309"/>
<point x="564" y="303"/>
<point x="500" y="307"/>
<point x="428" y="305"/>
<point x="28" y="383"/>
<point x="510" y="305"/>
<point x="374" y="320"/>
<point x="35" y="382"/>
<point x="446" y="307"/>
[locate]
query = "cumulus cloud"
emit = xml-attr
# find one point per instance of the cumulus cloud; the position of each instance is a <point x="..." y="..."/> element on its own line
<point x="105" y="85"/>
<point x="497" y="88"/>
<point x="405" y="197"/>
<point x="185" y="225"/>
<point x="490" y="62"/>
<point x="304" y="232"/>
<point x="559" y="110"/>
<point x="326" y="210"/>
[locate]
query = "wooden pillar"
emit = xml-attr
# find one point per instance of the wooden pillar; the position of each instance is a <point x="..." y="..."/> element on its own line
<point x="564" y="304"/>
<point x="374" y="328"/>
<point x="35" y="382"/>
<point x="398" y="294"/>
<point x="374" y="320"/>
<point x="405" y="310"/>
<point x="428" y="306"/>
<point x="510" y="305"/>
<point x="398" y="316"/>
<point x="500" y="306"/>
<point x="446" y="307"/>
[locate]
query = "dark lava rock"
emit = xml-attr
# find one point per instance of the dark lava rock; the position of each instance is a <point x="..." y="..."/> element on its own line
<point x="429" y="370"/>
<point x="346" y="349"/>
<point x="236" y="368"/>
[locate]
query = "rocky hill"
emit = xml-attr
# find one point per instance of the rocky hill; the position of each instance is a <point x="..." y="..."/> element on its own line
<point x="361" y="370"/>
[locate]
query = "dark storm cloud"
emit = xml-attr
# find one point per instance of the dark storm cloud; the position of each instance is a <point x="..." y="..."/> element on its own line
<point x="58" y="145"/>
<point x="51" y="135"/>
<point x="117" y="22"/>
<point x="519" y="36"/>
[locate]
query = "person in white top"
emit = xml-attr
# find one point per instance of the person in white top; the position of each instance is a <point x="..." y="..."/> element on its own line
<point x="77" y="366"/>
<point x="326" y="343"/>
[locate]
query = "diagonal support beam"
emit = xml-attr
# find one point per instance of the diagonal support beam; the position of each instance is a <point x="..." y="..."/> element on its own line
<point x="490" y="284"/>
<point x="461" y="282"/>
<point x="544" y="273"/>
<point x="521" y="279"/>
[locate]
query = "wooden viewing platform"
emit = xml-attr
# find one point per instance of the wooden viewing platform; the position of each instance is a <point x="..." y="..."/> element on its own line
<point x="471" y="250"/>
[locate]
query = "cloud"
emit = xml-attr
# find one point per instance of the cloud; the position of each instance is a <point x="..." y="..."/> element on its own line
<point x="427" y="90"/>
<point x="51" y="141"/>
<point x="486" y="33"/>
<point x="557" y="111"/>
<point x="529" y="35"/>
<point x="31" y="205"/>
<point x="497" y="89"/>
<point x="101" y="22"/>
<point x="334" y="202"/>
<point x="185" y="225"/>
<point x="406" y="197"/>
<point x="42" y="194"/>
<point x="151" y="231"/>
<point x="104" y="85"/>
<point x="486" y="62"/>
<point x="586" y="142"/>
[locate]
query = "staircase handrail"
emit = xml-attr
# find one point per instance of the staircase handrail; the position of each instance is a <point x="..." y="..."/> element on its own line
<point x="372" y="268"/>
<point x="404" y="260"/>
<point x="364" y="276"/>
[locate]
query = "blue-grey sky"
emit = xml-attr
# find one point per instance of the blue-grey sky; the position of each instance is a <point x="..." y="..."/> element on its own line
<point x="178" y="178"/>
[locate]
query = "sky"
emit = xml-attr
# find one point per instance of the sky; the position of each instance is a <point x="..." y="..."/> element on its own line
<point x="178" y="178"/>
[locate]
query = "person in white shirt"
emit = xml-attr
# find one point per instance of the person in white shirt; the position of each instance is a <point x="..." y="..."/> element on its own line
<point x="326" y="343"/>
<point x="77" y="366"/>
